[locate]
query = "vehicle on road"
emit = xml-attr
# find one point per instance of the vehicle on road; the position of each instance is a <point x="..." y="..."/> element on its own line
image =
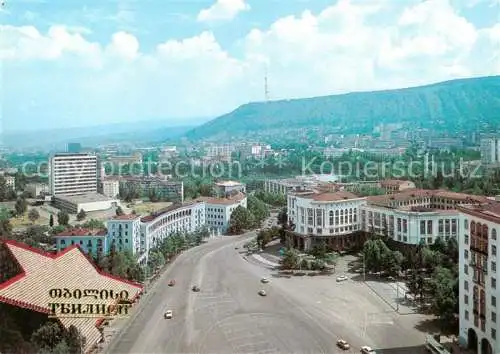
<point x="236" y="248"/>
<point x="367" y="350"/>
<point x="264" y="280"/>
<point x="171" y="282"/>
<point x="342" y="344"/>
<point x="262" y="293"/>
<point x="341" y="278"/>
<point x="168" y="314"/>
<point x="195" y="288"/>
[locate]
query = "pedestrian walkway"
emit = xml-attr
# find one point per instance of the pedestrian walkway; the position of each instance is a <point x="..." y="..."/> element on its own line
<point x="261" y="259"/>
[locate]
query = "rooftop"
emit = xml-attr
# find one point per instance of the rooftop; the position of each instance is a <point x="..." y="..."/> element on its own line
<point x="393" y="182"/>
<point x="126" y="217"/>
<point x="42" y="271"/>
<point x="489" y="211"/>
<point x="232" y="199"/>
<point x="83" y="198"/>
<point x="82" y="232"/>
<point x="168" y="209"/>
<point x="422" y="193"/>
<point x="228" y="183"/>
<point x="327" y="196"/>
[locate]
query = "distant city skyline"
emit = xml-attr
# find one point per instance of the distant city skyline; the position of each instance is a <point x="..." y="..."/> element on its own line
<point x="86" y="63"/>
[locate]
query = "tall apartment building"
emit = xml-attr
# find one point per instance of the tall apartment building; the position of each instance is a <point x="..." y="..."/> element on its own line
<point x="72" y="174"/>
<point x="479" y="292"/>
<point x="490" y="151"/>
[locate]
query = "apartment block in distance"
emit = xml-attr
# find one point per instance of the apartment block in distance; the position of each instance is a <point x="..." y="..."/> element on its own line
<point x="72" y="174"/>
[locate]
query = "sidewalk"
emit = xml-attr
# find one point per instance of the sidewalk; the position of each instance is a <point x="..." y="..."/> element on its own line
<point x="261" y="259"/>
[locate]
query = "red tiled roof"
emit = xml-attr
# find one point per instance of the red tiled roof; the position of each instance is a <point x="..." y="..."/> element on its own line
<point x="70" y="269"/>
<point x="393" y="182"/>
<point x="82" y="232"/>
<point x="488" y="211"/>
<point x="420" y="193"/>
<point x="327" y="196"/>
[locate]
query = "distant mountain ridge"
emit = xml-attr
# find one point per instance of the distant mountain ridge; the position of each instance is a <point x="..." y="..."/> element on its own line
<point x="457" y="104"/>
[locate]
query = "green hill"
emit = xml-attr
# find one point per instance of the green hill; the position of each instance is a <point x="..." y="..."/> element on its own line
<point x="457" y="105"/>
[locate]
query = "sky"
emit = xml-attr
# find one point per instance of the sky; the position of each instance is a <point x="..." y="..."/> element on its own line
<point x="89" y="62"/>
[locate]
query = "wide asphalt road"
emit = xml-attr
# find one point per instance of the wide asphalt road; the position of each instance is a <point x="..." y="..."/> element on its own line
<point x="227" y="316"/>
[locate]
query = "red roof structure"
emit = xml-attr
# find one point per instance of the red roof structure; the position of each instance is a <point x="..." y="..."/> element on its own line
<point x="69" y="269"/>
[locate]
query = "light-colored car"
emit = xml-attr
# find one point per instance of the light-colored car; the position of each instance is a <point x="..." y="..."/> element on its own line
<point x="341" y="278"/>
<point x="342" y="344"/>
<point x="264" y="280"/>
<point x="262" y="293"/>
<point x="168" y="314"/>
<point x="367" y="350"/>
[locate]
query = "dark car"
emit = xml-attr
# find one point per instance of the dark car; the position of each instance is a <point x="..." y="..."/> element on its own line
<point x="171" y="283"/>
<point x="195" y="288"/>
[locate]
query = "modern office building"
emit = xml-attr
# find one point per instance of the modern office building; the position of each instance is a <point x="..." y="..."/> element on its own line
<point x="172" y="191"/>
<point x="478" y="280"/>
<point x="72" y="174"/>
<point x="87" y="202"/>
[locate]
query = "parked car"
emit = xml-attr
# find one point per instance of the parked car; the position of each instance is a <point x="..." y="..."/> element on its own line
<point x="195" y="288"/>
<point x="168" y="314"/>
<point x="367" y="350"/>
<point x="342" y="344"/>
<point x="262" y="293"/>
<point x="341" y="278"/>
<point x="264" y="280"/>
<point x="171" y="282"/>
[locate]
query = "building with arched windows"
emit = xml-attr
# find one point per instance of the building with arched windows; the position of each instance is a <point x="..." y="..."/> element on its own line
<point x="479" y="291"/>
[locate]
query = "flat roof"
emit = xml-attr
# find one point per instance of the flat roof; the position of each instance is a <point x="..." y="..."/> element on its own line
<point x="327" y="196"/>
<point x="229" y="183"/>
<point x="233" y="199"/>
<point x="125" y="217"/>
<point x="42" y="271"/>
<point x="84" y="198"/>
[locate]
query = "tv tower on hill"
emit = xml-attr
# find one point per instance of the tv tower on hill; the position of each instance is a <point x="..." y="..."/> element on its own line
<point x="266" y="87"/>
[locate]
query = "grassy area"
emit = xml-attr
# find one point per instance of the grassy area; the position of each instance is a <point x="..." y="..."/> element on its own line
<point x="24" y="221"/>
<point x="148" y="207"/>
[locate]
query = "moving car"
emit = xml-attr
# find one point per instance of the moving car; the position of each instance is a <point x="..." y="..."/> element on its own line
<point x="171" y="283"/>
<point x="262" y="293"/>
<point x="168" y="315"/>
<point x="195" y="288"/>
<point x="264" y="280"/>
<point x="341" y="278"/>
<point x="367" y="350"/>
<point x="342" y="344"/>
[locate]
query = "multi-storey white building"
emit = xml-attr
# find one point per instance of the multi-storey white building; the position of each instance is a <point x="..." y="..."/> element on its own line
<point x="110" y="187"/>
<point x="490" y="151"/>
<point x="156" y="227"/>
<point x="415" y="216"/>
<point x="124" y="232"/>
<point x="479" y="292"/>
<point x="218" y="210"/>
<point x="331" y="217"/>
<point x="73" y="174"/>
<point x="90" y="241"/>
<point x="223" y="188"/>
<point x="37" y="189"/>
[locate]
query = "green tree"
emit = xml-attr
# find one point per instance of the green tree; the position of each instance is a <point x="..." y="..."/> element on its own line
<point x="258" y="208"/>
<point x="48" y="336"/>
<point x="443" y="289"/>
<point x="93" y="224"/>
<point x="21" y="206"/>
<point x="63" y="218"/>
<point x="81" y="215"/>
<point x="119" y="211"/>
<point x="33" y="215"/>
<point x="51" y="220"/>
<point x="241" y="219"/>
<point x="156" y="260"/>
<point x="74" y="340"/>
<point x="290" y="259"/>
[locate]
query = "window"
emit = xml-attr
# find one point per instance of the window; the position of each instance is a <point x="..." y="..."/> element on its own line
<point x="422" y="227"/>
<point x="466" y="315"/>
<point x="399" y="224"/>
<point x="493" y="301"/>
<point x="466" y="285"/>
<point x="493" y="234"/>
<point x="331" y="217"/>
<point x="494" y="317"/>
<point x="466" y="269"/>
<point x="466" y="224"/>
<point x="466" y="254"/>
<point x="466" y="299"/>
<point x="309" y="216"/>
<point x="429" y="227"/>
<point x="493" y="333"/>
<point x="319" y="217"/>
<point x="493" y="250"/>
<point x="494" y="267"/>
<point x="466" y="239"/>
<point x="493" y="283"/>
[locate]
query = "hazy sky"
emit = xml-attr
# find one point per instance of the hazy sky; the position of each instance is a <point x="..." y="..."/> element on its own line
<point x="86" y="62"/>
